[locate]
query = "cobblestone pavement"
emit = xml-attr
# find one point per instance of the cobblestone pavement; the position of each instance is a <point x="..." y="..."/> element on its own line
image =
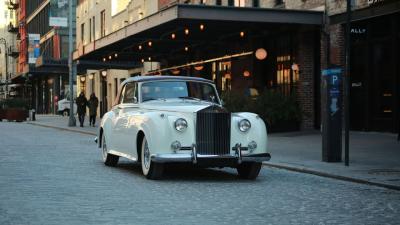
<point x="48" y="176"/>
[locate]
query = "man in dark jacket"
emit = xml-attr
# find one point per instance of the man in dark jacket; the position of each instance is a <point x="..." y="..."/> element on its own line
<point x="81" y="103"/>
<point x="93" y="104"/>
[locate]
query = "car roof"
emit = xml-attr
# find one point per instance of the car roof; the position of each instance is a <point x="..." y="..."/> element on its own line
<point x="165" y="77"/>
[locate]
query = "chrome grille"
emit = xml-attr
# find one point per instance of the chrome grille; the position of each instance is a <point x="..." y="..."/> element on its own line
<point x="213" y="131"/>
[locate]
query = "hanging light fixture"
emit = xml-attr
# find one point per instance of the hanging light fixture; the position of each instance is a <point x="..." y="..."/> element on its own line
<point x="110" y="57"/>
<point x="173" y="36"/>
<point x="261" y="54"/>
<point x="150" y="43"/>
<point x="246" y="73"/>
<point x="186" y="31"/>
<point x="175" y="71"/>
<point x="140" y="47"/>
<point x="201" y="27"/>
<point x="104" y="59"/>
<point x="149" y="58"/>
<point x="198" y="67"/>
<point x="242" y="33"/>
<point x="186" y="48"/>
<point x="115" y="55"/>
<point x="142" y="60"/>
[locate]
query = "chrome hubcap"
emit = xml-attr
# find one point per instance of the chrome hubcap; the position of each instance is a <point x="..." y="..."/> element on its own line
<point x="146" y="155"/>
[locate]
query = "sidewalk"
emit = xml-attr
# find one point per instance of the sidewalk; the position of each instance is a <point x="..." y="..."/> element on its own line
<point x="374" y="157"/>
<point x="61" y="122"/>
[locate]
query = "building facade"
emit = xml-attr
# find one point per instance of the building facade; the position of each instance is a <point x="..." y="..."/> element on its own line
<point x="43" y="55"/>
<point x="8" y="46"/>
<point x="228" y="58"/>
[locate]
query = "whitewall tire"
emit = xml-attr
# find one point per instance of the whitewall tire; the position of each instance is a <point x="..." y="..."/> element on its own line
<point x="150" y="169"/>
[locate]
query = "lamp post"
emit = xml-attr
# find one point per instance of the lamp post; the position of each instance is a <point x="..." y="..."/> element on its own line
<point x="3" y="41"/>
<point x="71" y="121"/>
<point x="346" y="85"/>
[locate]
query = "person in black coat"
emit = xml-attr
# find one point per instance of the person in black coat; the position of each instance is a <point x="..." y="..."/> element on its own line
<point x="81" y="103"/>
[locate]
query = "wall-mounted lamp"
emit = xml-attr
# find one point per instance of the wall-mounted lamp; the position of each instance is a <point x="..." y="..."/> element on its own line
<point x="150" y="43"/>
<point x="242" y="33"/>
<point x="104" y="73"/>
<point x="140" y="47"/>
<point x="198" y="67"/>
<point x="246" y="73"/>
<point x="186" y="31"/>
<point x="91" y="76"/>
<point x="83" y="79"/>
<point x="201" y="27"/>
<point x="173" y="36"/>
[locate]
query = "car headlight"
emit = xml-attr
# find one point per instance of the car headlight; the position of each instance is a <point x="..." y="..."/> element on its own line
<point x="244" y="125"/>
<point x="180" y="124"/>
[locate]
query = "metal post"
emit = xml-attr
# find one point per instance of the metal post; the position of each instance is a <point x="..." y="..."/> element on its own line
<point x="3" y="41"/>
<point x="72" y="121"/>
<point x="346" y="86"/>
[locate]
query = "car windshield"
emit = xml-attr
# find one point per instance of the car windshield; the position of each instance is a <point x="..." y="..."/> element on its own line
<point x="178" y="89"/>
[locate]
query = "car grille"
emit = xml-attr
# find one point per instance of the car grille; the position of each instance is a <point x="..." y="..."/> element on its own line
<point x="213" y="131"/>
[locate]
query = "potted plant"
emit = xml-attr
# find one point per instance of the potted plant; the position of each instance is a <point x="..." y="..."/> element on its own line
<point x="15" y="109"/>
<point x="281" y="113"/>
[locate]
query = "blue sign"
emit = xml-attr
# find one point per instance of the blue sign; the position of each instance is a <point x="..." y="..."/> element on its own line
<point x="333" y="77"/>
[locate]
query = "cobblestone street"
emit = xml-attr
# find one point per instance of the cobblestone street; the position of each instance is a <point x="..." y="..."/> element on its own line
<point x="49" y="176"/>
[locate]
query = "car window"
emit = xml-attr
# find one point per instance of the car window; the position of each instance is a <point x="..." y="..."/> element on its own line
<point x="130" y="93"/>
<point x="178" y="89"/>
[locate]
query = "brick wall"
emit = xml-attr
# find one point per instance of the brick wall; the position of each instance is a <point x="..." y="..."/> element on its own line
<point x="305" y="88"/>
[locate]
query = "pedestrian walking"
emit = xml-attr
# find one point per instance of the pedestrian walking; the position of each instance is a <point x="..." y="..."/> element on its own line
<point x="81" y="103"/>
<point x="93" y="104"/>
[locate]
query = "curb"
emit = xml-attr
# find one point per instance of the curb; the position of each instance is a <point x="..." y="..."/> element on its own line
<point x="333" y="176"/>
<point x="61" y="128"/>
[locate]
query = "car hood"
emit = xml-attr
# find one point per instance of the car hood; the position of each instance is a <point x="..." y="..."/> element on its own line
<point x="185" y="106"/>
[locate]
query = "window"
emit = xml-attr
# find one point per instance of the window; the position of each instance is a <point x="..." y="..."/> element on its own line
<point x="203" y="2"/>
<point x="279" y="2"/>
<point x="185" y="90"/>
<point x="230" y="2"/>
<point x="130" y="93"/>
<point x="103" y="23"/>
<point x="90" y="30"/>
<point x="82" y="33"/>
<point x="240" y="3"/>
<point x="94" y="28"/>
<point x="218" y="2"/>
<point x="256" y="3"/>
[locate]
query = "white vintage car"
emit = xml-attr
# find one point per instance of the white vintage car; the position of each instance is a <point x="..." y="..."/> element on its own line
<point x="169" y="119"/>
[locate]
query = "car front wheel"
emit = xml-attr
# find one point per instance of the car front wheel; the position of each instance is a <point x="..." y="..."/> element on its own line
<point x="249" y="170"/>
<point x="151" y="170"/>
<point x="108" y="159"/>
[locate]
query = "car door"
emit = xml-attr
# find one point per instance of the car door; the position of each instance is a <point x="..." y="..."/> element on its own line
<point x="125" y="126"/>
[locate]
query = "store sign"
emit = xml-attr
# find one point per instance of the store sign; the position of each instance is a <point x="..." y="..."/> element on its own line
<point x="33" y="47"/>
<point x="358" y="30"/>
<point x="58" y="13"/>
<point x="373" y="2"/>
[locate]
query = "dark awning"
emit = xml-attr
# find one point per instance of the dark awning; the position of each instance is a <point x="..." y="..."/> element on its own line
<point x="222" y="26"/>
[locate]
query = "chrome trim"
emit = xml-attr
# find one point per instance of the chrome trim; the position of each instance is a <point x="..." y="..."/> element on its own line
<point x="188" y="157"/>
<point x="238" y="151"/>
<point x="122" y="155"/>
<point x="194" y="154"/>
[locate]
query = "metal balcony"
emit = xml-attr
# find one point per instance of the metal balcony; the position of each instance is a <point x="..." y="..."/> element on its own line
<point x="12" y="4"/>
<point x="13" y="51"/>
<point x="12" y="28"/>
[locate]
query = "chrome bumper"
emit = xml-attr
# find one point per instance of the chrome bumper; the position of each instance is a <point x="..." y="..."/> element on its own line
<point x="186" y="157"/>
<point x="193" y="157"/>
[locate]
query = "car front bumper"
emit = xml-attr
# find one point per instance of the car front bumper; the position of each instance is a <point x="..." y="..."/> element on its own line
<point x="189" y="157"/>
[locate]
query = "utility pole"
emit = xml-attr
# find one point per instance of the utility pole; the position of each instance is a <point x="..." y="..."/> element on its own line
<point x="72" y="121"/>
<point x="346" y="85"/>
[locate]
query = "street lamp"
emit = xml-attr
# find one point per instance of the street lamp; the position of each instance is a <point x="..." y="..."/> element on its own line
<point x="3" y="41"/>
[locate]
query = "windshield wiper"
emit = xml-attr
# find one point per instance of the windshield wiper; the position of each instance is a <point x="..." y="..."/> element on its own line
<point x="153" y="99"/>
<point x="190" y="98"/>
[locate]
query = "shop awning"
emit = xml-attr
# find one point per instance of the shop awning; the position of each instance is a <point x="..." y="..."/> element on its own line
<point x="150" y="39"/>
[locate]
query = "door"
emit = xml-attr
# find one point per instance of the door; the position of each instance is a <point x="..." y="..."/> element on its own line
<point x="359" y="87"/>
<point x="383" y="84"/>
